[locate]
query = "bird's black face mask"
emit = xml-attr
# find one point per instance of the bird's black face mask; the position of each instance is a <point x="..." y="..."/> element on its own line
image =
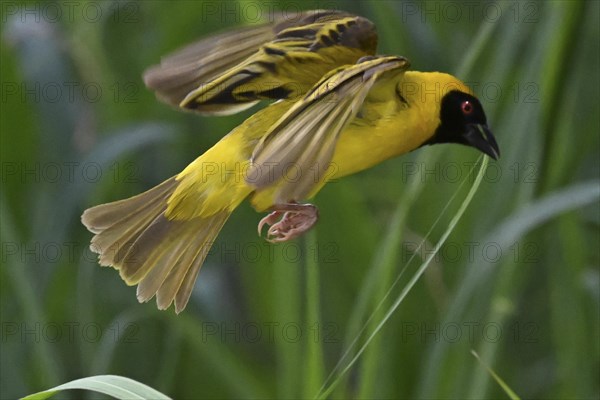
<point x="463" y="121"/>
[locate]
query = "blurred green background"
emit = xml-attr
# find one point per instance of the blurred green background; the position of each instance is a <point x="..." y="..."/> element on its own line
<point x="517" y="281"/>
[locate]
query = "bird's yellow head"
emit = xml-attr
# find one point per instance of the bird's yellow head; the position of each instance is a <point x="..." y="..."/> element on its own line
<point x="459" y="116"/>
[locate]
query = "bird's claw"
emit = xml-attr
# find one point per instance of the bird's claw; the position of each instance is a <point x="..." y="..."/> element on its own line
<point x="270" y="219"/>
<point x="287" y="223"/>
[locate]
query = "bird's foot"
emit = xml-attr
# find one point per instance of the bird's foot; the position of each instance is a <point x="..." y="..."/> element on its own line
<point x="288" y="221"/>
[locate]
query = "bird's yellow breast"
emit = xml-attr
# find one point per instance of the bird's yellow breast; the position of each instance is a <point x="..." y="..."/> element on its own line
<point x="388" y="127"/>
<point x="362" y="146"/>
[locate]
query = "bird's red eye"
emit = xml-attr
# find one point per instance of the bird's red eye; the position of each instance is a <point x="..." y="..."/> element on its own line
<point x="467" y="107"/>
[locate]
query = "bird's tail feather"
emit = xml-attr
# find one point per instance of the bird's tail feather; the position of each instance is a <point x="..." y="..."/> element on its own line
<point x="162" y="256"/>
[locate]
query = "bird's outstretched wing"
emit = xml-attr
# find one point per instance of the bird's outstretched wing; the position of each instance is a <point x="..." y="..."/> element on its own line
<point x="184" y="70"/>
<point x="305" y="137"/>
<point x="230" y="72"/>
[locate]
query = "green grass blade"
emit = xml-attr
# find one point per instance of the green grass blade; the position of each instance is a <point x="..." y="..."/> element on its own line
<point x="569" y="20"/>
<point x="541" y="211"/>
<point x="373" y="289"/>
<point x="287" y="298"/>
<point x="380" y="282"/>
<point x="118" y="387"/>
<point x="28" y="300"/>
<point x="327" y="390"/>
<point x="510" y="393"/>
<point x="240" y="380"/>
<point x="101" y="360"/>
<point x="513" y="228"/>
<point x="480" y="42"/>
<point x="313" y="360"/>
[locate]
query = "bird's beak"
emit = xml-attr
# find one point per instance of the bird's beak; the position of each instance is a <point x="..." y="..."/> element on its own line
<point x="480" y="137"/>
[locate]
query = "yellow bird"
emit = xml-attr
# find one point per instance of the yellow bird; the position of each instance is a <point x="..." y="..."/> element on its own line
<point x="340" y="110"/>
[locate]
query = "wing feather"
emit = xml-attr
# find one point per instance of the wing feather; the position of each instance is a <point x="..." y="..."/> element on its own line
<point x="227" y="73"/>
<point x="201" y="62"/>
<point x="305" y="137"/>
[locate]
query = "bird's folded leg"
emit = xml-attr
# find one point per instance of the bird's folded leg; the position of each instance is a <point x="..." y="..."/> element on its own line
<point x="288" y="221"/>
